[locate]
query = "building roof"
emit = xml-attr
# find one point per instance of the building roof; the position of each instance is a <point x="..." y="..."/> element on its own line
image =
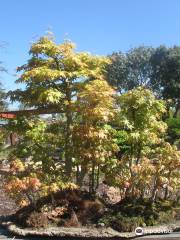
<point x="14" y="114"/>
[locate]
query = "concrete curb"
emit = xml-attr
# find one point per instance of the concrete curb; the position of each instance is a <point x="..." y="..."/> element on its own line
<point x="86" y="232"/>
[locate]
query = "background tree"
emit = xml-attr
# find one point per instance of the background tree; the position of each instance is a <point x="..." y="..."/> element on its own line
<point x="138" y="67"/>
<point x="153" y="68"/>
<point x="116" y="71"/>
<point x="130" y="70"/>
<point x="166" y="75"/>
<point x="173" y="131"/>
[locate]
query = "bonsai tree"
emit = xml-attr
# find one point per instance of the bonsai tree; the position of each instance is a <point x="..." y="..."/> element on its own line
<point x="52" y="77"/>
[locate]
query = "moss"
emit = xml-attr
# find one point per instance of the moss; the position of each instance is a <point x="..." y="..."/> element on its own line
<point x="131" y="213"/>
<point x="166" y="217"/>
<point x="122" y="223"/>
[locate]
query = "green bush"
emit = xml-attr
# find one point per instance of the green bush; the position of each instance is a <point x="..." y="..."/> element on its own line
<point x="127" y="224"/>
<point x="122" y="223"/>
<point x="132" y="213"/>
<point x="173" y="130"/>
<point x="165" y="217"/>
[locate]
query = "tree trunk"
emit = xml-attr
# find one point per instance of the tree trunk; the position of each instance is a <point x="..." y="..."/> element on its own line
<point x="176" y="110"/>
<point x="166" y="193"/>
<point x="166" y="189"/>
<point x="92" y="182"/>
<point x="98" y="172"/>
<point x="77" y="174"/>
<point x="138" y="154"/>
<point x="154" y="191"/>
<point x="68" y="134"/>
<point x="81" y="175"/>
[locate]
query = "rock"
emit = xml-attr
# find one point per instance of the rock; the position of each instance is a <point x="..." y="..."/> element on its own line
<point x="73" y="221"/>
<point x="109" y="194"/>
<point x="101" y="224"/>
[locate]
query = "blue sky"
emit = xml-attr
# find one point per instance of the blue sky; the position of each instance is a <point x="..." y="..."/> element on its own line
<point x="96" y="26"/>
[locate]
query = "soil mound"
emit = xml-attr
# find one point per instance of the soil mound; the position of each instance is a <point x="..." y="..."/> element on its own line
<point x="68" y="208"/>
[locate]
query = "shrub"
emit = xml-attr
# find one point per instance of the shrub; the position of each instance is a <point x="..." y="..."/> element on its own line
<point x="165" y="217"/>
<point x="122" y="223"/>
<point x="37" y="220"/>
<point x="131" y="213"/>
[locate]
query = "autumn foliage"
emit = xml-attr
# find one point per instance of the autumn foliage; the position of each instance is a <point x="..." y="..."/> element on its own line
<point x="98" y="134"/>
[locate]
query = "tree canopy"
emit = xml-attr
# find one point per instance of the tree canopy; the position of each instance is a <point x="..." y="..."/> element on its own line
<point x="110" y="123"/>
<point x="53" y="76"/>
<point x="154" y="68"/>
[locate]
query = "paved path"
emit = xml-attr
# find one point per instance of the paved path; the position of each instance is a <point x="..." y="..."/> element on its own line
<point x="5" y="235"/>
<point x="171" y="236"/>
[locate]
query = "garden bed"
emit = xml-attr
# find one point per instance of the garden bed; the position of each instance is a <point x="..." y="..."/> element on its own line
<point x="77" y="214"/>
<point x="86" y="232"/>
